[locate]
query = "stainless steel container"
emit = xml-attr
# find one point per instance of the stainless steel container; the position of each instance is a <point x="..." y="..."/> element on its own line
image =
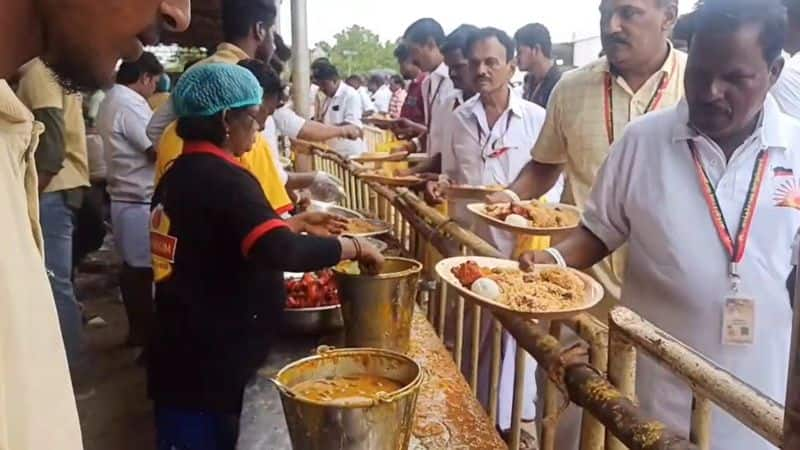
<point x="321" y="320"/>
<point x="382" y="424"/>
<point x="377" y="309"/>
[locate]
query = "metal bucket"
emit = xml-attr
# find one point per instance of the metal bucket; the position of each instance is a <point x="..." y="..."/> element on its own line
<point x="377" y="309"/>
<point x="383" y="424"/>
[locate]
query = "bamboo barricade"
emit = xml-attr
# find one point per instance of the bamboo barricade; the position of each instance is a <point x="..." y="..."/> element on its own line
<point x="610" y="417"/>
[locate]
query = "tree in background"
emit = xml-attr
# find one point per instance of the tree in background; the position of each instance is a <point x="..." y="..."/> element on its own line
<point x="358" y="51"/>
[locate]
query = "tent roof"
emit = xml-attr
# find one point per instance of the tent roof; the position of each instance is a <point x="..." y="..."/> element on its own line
<point x="205" y="30"/>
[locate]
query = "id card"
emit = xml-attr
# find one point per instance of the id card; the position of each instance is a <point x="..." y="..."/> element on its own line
<point x="739" y="320"/>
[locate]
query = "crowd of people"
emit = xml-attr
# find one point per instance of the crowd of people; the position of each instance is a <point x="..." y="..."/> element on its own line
<point x="683" y="163"/>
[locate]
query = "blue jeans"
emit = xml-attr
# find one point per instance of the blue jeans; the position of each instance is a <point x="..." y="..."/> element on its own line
<point x="178" y="429"/>
<point x="58" y="223"/>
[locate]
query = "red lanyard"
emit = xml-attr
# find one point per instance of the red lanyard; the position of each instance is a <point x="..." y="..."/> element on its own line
<point x="735" y="248"/>
<point x="496" y="153"/>
<point x="652" y="105"/>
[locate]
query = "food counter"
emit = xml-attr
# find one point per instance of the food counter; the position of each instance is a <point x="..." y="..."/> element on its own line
<point x="447" y="416"/>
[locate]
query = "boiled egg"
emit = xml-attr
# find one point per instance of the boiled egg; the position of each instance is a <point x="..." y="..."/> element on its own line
<point x="517" y="220"/>
<point x="486" y="287"/>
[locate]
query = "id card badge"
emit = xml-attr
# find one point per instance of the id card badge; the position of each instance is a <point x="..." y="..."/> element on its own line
<point x="738" y="320"/>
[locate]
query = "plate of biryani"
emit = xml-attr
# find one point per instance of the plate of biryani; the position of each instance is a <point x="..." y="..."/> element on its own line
<point x="388" y="178"/>
<point x="548" y="292"/>
<point x="530" y="217"/>
<point x="358" y="227"/>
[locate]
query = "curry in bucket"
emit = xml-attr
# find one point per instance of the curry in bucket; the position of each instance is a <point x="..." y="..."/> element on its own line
<point x="346" y="390"/>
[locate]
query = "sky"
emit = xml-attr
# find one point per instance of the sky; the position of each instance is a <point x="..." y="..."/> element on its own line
<point x="567" y="19"/>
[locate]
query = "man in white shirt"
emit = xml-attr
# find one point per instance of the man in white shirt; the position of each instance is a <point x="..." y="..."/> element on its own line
<point x="130" y="160"/>
<point x="454" y="51"/>
<point x="357" y="83"/>
<point x="342" y="106"/>
<point x="424" y="39"/>
<point x="787" y="90"/>
<point x="705" y="195"/>
<point x="380" y="93"/>
<point x="489" y="137"/>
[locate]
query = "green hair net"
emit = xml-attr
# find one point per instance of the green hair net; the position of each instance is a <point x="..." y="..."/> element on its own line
<point x="212" y="88"/>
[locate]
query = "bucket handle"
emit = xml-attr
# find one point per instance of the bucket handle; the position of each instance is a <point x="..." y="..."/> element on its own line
<point x="389" y="398"/>
<point x="323" y="350"/>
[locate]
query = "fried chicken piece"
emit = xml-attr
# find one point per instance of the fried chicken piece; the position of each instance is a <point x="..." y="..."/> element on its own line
<point x="499" y="211"/>
<point x="468" y="273"/>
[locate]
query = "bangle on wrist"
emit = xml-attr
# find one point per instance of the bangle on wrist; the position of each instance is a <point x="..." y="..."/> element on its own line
<point x="557" y="256"/>
<point x="357" y="245"/>
<point x="514" y="197"/>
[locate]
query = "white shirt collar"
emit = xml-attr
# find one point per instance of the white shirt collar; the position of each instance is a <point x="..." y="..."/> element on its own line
<point x="471" y="106"/>
<point x="442" y="71"/>
<point x="772" y="130"/>
<point x="340" y="90"/>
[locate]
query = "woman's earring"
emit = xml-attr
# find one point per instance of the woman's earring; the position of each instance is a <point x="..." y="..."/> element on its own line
<point x="227" y="135"/>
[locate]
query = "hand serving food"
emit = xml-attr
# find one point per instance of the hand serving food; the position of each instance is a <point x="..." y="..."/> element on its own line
<point x="318" y="224"/>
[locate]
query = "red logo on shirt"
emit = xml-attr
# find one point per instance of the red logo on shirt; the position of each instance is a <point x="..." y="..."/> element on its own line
<point x="787" y="195"/>
<point x="162" y="245"/>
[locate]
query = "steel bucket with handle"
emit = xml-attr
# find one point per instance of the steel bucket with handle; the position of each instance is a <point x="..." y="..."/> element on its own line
<point x="384" y="423"/>
<point x="378" y="309"/>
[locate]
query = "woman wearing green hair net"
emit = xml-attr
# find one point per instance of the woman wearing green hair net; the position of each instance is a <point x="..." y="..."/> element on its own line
<point x="219" y="252"/>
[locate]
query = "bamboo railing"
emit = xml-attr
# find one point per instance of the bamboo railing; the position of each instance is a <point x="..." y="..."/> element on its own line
<point x="604" y="387"/>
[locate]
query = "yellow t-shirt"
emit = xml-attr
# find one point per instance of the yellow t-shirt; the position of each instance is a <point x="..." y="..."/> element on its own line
<point x="157" y="100"/>
<point x="39" y="89"/>
<point x="258" y="161"/>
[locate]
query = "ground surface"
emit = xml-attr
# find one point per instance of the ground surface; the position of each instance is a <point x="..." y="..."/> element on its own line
<point x="119" y="415"/>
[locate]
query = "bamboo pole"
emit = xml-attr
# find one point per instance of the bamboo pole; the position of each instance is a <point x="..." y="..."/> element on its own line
<point x="755" y="410"/>
<point x="459" y="349"/>
<point x="519" y="395"/>
<point x="476" y="348"/>
<point x="587" y="388"/>
<point x="621" y="373"/>
<point x="494" y="376"/>
<point x="700" y="433"/>
<point x="442" y="310"/>
<point x="551" y="402"/>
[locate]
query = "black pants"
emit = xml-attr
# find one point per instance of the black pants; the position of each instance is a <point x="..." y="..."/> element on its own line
<point x="90" y="229"/>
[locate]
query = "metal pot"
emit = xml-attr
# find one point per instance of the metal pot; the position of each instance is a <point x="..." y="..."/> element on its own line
<point x="317" y="321"/>
<point x="378" y="309"/>
<point x="380" y="424"/>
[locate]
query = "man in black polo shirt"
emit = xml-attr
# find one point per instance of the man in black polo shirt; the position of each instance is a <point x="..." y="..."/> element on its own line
<point x="534" y="56"/>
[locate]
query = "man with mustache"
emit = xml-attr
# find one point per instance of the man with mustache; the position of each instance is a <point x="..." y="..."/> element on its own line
<point x="704" y="195"/>
<point x="37" y="408"/>
<point x="487" y="143"/>
<point x="590" y="107"/>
